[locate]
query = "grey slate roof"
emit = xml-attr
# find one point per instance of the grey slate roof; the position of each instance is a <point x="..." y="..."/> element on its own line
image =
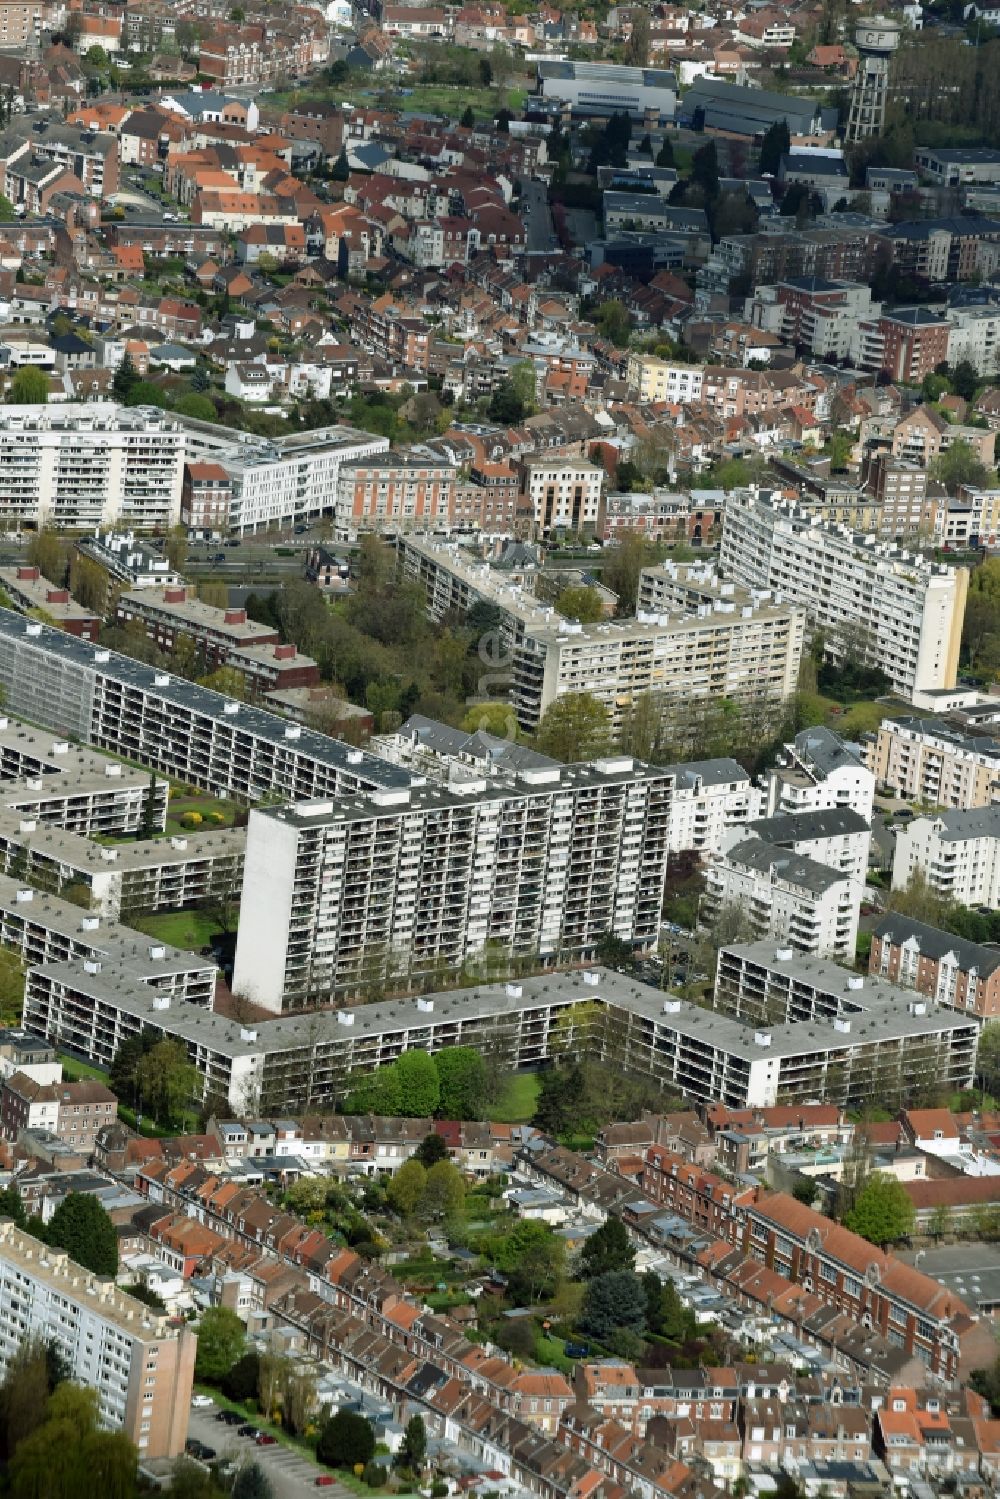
<point x="935" y="943"/>
<point x="793" y="827"/>
<point x="976" y="822"/>
<point x="826" y="751"/>
<point x="708" y="772"/>
<point x="795" y="869"/>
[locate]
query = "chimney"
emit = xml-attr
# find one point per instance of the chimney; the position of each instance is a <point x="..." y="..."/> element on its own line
<point x="29" y="574"/>
<point x="284" y="653"/>
<point x="235" y="617"/>
<point x="174" y="595"/>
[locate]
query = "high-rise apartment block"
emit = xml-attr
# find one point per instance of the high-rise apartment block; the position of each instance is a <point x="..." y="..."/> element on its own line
<point x="87" y="464"/>
<point x="894" y="609"/>
<point x="421" y="879"/>
<point x="140" y="1364"/>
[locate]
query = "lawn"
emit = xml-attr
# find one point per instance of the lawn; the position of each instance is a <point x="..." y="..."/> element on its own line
<point x="517" y="1104"/>
<point x="74" y="1069"/>
<point x="189" y="930"/>
<point x="209" y="808"/>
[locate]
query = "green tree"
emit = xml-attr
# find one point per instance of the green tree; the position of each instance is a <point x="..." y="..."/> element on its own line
<point x="251" y="1482"/>
<point x="964" y="380"/>
<point x="581" y="603"/>
<point x="532" y="1258"/>
<point x="609" y="1248"/>
<point x="432" y="1147"/>
<point x="988" y="1059"/>
<point x="614" y="322"/>
<point x="82" y="1227"/>
<point x="773" y="147"/>
<point x="419" y="1089"/>
<point x="345" y="1440"/>
<point x="957" y="465"/>
<point x="462" y="1083"/>
<point x="497" y="719"/>
<point x="413" y="1451"/>
<point x="622" y="565"/>
<point x="200" y="407"/>
<point x="125" y="379"/>
<point x="12" y="1207"/>
<point x="444" y="1193"/>
<point x="468" y="118"/>
<point x="29" y="387"/>
<point x="575" y="727"/>
<point x="47" y="553"/>
<point x="227" y="680"/>
<point x="166" y="1081"/>
<point x="405" y="1191"/>
<point x="665" y="155"/>
<point x="240" y="1382"/>
<point x="882" y="1212"/>
<point x="341" y="168"/>
<point x="613" y="1301"/>
<point x="221" y="1342"/>
<point x="705" y="169"/>
<point x="23" y="1395"/>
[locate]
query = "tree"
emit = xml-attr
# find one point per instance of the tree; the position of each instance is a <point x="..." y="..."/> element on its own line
<point x="468" y="118"/>
<point x="988" y="1059"/>
<point x="82" y="1227"/>
<point x="581" y="603"/>
<point x="126" y="378"/>
<point x="609" y="1248"/>
<point x="240" y="1382"/>
<point x="12" y="1207"/>
<point x="444" y="1193"/>
<point x="964" y="380"/>
<point x="432" y="1148"/>
<point x="341" y="168"/>
<point x="622" y="565"/>
<point x="23" y="1394"/>
<point x="175" y="548"/>
<point x="882" y="1213"/>
<point x="346" y="1440"/>
<point x="139" y="1291"/>
<point x="774" y="146"/>
<point x="88" y="583"/>
<point x="413" y="1451"/>
<point x="252" y="1482"/>
<point x="405" y="1191"/>
<point x="497" y="719"/>
<point x="614" y="1300"/>
<point x="957" y="465"/>
<point x="199" y="407"/>
<point x="221" y="1341"/>
<point x="532" y="1258"/>
<point x="68" y="1455"/>
<point x="575" y="727"/>
<point x="705" y="169"/>
<point x="462" y="1082"/>
<point x="46" y="552"/>
<point x="615" y="323"/>
<point x="29" y="387"/>
<point x="419" y="1089"/>
<point x="214" y="592"/>
<point x="166" y="1081"/>
<point x="665" y="155"/>
<point x="637" y="46"/>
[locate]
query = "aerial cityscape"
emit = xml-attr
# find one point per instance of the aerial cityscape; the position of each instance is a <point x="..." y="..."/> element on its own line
<point x="499" y="749"/>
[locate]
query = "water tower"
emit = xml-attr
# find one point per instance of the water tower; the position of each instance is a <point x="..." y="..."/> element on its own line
<point x="876" y="39"/>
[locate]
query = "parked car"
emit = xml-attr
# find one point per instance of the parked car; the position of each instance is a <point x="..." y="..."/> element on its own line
<point x="201" y="1402"/>
<point x="264" y="1439"/>
<point x="231" y="1418"/>
<point x="248" y="1430"/>
<point x="325" y="1481"/>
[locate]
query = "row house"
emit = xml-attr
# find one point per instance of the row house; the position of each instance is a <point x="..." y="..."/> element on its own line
<point x="694" y="1194"/>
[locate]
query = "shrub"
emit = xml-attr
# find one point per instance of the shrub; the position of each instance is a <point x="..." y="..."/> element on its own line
<point x="438" y="1489"/>
<point x="374" y="1475"/>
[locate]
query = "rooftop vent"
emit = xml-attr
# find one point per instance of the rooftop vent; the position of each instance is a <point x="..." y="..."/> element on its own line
<point x="345" y="1017"/>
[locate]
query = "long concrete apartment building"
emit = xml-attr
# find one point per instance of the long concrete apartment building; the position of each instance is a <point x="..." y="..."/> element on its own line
<point x="420" y="878"/>
<point x="928" y="760"/>
<point x="902" y="613"/>
<point x="173" y="726"/>
<point x="86" y="464"/>
<point x="698" y="646"/>
<point x="140" y="1363"/>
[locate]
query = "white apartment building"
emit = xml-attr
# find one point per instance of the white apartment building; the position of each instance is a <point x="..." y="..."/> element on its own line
<point x="800" y="903"/>
<point x="409" y="880"/>
<point x="564" y="494"/>
<point x="140" y="1365"/>
<point x="816" y="772"/>
<point x="974" y="335"/>
<point x="698" y="640"/>
<point x="711" y="797"/>
<point x="813" y="313"/>
<point x="957" y="852"/>
<point x="278" y="482"/>
<point x="838" y="837"/>
<point x="930" y="761"/>
<point x="657" y="380"/>
<point x="905" y="614"/>
<point x="86" y="464"/>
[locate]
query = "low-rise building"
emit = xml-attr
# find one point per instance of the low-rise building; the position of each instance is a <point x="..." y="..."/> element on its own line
<point x="29" y="592"/>
<point x="947" y="968"/>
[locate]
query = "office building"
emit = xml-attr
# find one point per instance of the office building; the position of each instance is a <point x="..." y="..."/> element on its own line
<point x="599" y="88"/>
<point x="900" y="612"/>
<point x="957" y="853"/>
<point x="275" y="482"/>
<point x="928" y="760"/>
<point x="946" y="968"/>
<point x="140" y="1364"/>
<point x="80" y="465"/>
<point x="710" y="798"/>
<point x="406" y="881"/>
<point x="793" y="899"/>
<point x="170" y="725"/>
<point x="954" y="166"/>
<point x="694" y="640"/>
<point x="816" y="772"/>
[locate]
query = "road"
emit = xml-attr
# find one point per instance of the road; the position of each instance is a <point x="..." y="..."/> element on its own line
<point x="292" y="1476"/>
<point x="537" y="218"/>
